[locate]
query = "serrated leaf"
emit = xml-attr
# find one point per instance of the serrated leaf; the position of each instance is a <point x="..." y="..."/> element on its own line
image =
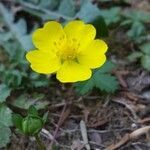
<point x="4" y="92"/>
<point x="137" y="29"/>
<point x="5" y="116"/>
<point x="13" y="78"/>
<point x="38" y="81"/>
<point x="145" y="61"/>
<point x="136" y="15"/>
<point x="111" y="15"/>
<point x="106" y="68"/>
<point x="100" y="79"/>
<point x="5" y="134"/>
<point x="84" y="87"/>
<point x="106" y="82"/>
<point x="145" y="48"/>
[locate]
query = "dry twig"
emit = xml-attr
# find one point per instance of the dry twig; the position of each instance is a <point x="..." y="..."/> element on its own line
<point x="84" y="134"/>
<point x="61" y="119"/>
<point x="134" y="135"/>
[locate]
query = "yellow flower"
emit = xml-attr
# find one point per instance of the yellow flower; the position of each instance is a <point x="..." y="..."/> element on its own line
<point x="70" y="52"/>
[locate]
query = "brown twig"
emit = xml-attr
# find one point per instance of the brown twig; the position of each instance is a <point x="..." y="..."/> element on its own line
<point x="119" y="75"/>
<point x="57" y="128"/>
<point x="145" y="120"/>
<point x="128" y="105"/>
<point x="135" y="134"/>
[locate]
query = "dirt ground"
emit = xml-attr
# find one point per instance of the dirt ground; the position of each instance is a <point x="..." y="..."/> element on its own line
<point x="109" y="120"/>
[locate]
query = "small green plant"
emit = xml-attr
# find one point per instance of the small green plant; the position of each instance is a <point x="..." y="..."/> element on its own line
<point x="135" y="20"/>
<point x="143" y="55"/>
<point x="31" y="125"/>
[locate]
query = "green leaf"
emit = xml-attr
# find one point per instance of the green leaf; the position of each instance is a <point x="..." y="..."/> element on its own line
<point x="145" y="48"/>
<point x="126" y="22"/>
<point x="67" y="8"/>
<point x="5" y="134"/>
<point x="136" y="15"/>
<point x="88" y="11"/>
<point x="48" y="12"/>
<point x="5" y="123"/>
<point x="32" y="125"/>
<point x="85" y="86"/>
<point x="100" y="79"/>
<point x="25" y="101"/>
<point x="145" y="61"/>
<point x="134" y="56"/>
<point x="38" y="81"/>
<point x="111" y="15"/>
<point x="137" y="29"/>
<point x="106" y="82"/>
<point x="101" y="28"/>
<point x="18" y="29"/>
<point x="5" y="116"/>
<point x="17" y="120"/>
<point x="4" y="92"/>
<point x="5" y="36"/>
<point x="47" y="3"/>
<point x="13" y="78"/>
<point x="106" y="68"/>
<point x="32" y="111"/>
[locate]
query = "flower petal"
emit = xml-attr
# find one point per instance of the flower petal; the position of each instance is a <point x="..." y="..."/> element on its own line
<point x="52" y="32"/>
<point x="94" y="55"/>
<point x="71" y="71"/>
<point x="43" y="62"/>
<point x="80" y="32"/>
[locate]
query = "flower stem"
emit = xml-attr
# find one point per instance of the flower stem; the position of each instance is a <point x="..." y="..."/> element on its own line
<point x="39" y="142"/>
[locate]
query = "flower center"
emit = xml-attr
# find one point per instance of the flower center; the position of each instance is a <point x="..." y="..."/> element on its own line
<point x="67" y="50"/>
<point x="68" y="53"/>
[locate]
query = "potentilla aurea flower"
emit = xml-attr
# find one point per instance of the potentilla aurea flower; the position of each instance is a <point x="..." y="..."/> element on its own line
<point x="71" y="51"/>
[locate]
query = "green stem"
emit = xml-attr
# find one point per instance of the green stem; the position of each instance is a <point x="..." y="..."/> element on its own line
<point x="39" y="142"/>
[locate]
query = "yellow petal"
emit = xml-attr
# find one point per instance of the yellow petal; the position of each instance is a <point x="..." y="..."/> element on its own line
<point x="71" y="71"/>
<point x="73" y="28"/>
<point x="43" y="62"/>
<point x="79" y="32"/>
<point x="47" y="37"/>
<point x="94" y="55"/>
